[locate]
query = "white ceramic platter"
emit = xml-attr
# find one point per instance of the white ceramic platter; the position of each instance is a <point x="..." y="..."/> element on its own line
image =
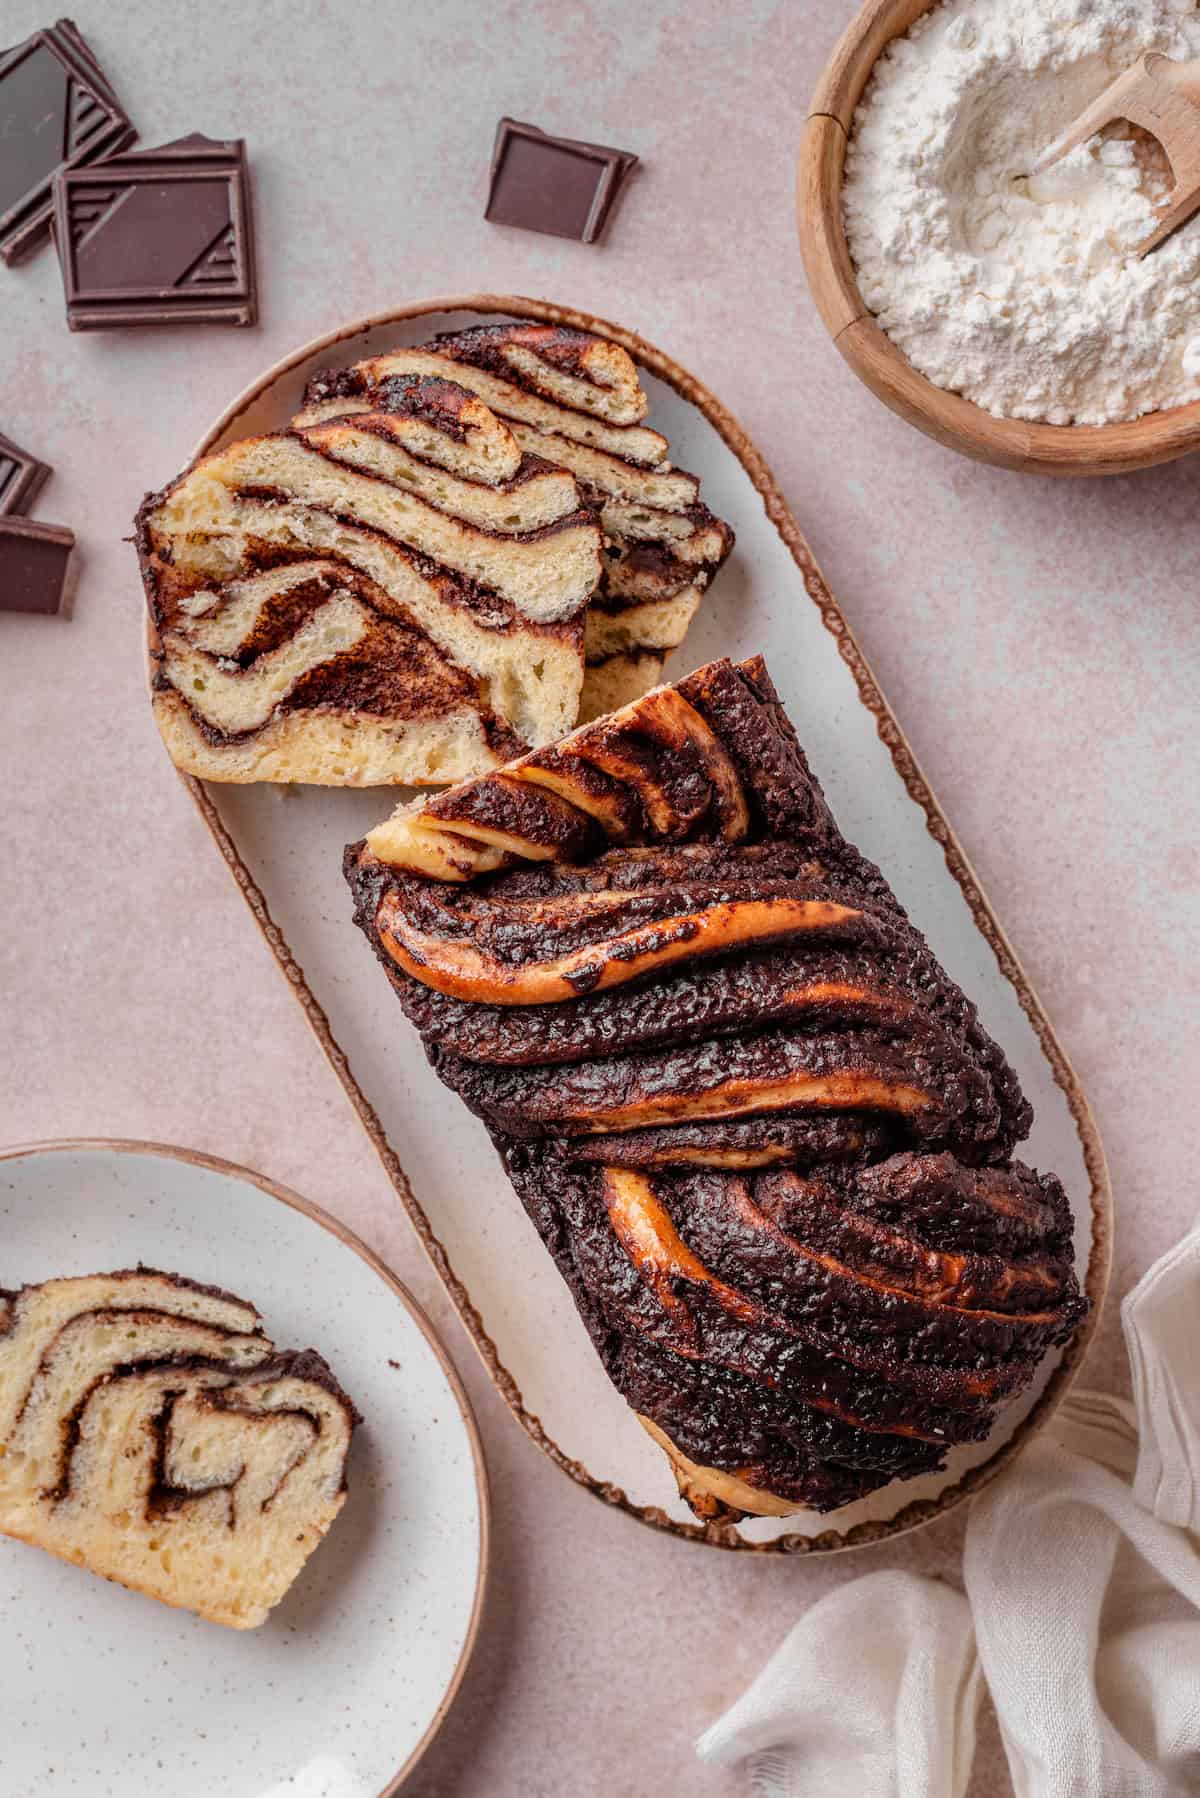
<point x="103" y="1691"/>
<point x="285" y="848"/>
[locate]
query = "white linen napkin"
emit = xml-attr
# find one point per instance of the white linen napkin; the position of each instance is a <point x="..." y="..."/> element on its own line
<point x="1082" y="1613"/>
<point x="874" y="1691"/>
<point x="1160" y="1318"/>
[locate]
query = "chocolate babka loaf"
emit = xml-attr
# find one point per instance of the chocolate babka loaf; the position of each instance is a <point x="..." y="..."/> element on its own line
<point x="394" y="597"/>
<point x="150" y="1432"/>
<point x="762" y="1133"/>
<point x="576" y="400"/>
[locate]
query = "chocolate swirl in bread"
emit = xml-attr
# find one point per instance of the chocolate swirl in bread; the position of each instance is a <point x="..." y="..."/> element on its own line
<point x="763" y="1134"/>
<point x="575" y="399"/>
<point x="393" y="597"/>
<point x="151" y="1432"/>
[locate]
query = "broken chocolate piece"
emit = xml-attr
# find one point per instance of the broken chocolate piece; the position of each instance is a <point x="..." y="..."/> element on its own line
<point x="553" y="184"/>
<point x="35" y="565"/>
<point x="159" y="237"/>
<point x="22" y="478"/>
<point x="57" y="111"/>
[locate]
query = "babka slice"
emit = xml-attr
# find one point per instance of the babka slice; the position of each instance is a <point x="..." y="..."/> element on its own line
<point x="151" y="1432"/>
<point x="396" y="597"/>
<point x="763" y="1134"/>
<point x="575" y="399"/>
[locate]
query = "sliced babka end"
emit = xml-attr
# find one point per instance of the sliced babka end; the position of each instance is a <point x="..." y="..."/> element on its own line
<point x="410" y="579"/>
<point x="150" y="1432"/>
<point x="659" y="537"/>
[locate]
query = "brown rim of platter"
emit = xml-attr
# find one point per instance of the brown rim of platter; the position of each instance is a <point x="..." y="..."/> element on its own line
<point x="716" y="1535"/>
<point x="218" y="1165"/>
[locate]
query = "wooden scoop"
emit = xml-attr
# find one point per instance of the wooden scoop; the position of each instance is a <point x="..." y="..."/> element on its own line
<point x="1163" y="97"/>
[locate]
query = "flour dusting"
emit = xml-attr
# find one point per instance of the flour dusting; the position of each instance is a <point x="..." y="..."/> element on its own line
<point x="1024" y="293"/>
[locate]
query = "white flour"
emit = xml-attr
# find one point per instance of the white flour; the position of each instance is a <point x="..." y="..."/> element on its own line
<point x="1023" y="294"/>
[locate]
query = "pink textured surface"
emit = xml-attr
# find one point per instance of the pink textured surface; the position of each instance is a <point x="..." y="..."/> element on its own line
<point x="1038" y="641"/>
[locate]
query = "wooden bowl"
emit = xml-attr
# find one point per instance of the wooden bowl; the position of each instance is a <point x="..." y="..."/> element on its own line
<point x="954" y="421"/>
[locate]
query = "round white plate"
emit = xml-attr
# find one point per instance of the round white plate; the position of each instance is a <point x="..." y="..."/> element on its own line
<point x="103" y="1691"/>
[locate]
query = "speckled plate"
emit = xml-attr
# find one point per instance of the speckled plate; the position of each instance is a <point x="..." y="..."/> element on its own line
<point x="339" y="1692"/>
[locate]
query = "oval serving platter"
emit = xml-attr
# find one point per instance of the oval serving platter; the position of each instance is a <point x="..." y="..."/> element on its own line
<point x="345" y="1685"/>
<point x="284" y="849"/>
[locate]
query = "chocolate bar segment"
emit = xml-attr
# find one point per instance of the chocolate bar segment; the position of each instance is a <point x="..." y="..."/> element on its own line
<point x="22" y="478"/>
<point x="57" y="112"/>
<point x="35" y="565"/>
<point x="159" y="237"/>
<point x="558" y="185"/>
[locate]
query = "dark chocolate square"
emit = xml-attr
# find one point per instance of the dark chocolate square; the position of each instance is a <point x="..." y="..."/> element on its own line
<point x="22" y="477"/>
<point x="158" y="237"/>
<point x="57" y="111"/>
<point x="558" y="185"/>
<point x="35" y="566"/>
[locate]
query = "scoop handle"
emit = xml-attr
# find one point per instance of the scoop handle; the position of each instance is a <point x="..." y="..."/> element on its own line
<point x="1163" y="97"/>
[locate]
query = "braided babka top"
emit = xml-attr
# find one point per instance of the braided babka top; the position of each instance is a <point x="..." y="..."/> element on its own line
<point x="762" y="1132"/>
